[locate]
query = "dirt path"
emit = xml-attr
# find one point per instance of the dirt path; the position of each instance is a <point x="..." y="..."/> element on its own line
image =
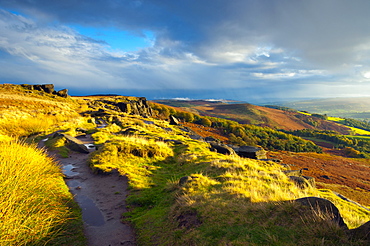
<point x="102" y="200"/>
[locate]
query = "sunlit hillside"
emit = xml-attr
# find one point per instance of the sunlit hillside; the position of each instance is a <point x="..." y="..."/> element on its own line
<point x="257" y="115"/>
<point x="187" y="187"/>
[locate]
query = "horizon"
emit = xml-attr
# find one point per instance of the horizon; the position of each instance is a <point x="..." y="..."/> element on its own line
<point x="239" y="50"/>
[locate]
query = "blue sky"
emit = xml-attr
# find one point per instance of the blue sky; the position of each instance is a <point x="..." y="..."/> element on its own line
<point x="255" y="51"/>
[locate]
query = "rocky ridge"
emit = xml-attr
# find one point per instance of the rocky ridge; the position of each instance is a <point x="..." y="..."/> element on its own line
<point x="47" y="88"/>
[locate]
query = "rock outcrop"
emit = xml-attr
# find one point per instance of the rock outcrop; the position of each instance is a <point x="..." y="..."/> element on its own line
<point x="111" y="105"/>
<point x="47" y="88"/>
<point x="138" y="106"/>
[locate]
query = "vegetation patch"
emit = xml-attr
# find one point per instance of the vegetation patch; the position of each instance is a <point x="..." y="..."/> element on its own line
<point x="36" y="206"/>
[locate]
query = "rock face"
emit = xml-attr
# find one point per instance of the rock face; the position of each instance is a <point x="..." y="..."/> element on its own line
<point x="47" y="88"/>
<point x="324" y="208"/>
<point x="138" y="107"/>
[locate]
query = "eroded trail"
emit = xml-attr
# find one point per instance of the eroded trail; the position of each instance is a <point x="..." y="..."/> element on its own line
<point x="102" y="200"/>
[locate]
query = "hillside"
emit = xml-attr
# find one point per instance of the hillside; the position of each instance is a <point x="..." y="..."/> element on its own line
<point x="356" y="108"/>
<point x="257" y="115"/>
<point x="186" y="187"/>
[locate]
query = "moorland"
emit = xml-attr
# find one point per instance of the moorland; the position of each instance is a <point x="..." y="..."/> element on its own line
<point x="188" y="182"/>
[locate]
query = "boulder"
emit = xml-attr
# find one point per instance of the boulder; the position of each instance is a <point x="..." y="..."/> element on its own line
<point x="174" y="120"/>
<point x="48" y="88"/>
<point x="251" y="152"/>
<point x="221" y="148"/>
<point x="63" y="93"/>
<point x="324" y="208"/>
<point x="361" y="232"/>
<point x="75" y="144"/>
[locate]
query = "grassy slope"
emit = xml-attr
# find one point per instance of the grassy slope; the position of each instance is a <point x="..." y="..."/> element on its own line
<point x="36" y="206"/>
<point x="229" y="200"/>
<point x="257" y="115"/>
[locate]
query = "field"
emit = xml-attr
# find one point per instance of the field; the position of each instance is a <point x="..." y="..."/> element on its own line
<point x="356" y="108"/>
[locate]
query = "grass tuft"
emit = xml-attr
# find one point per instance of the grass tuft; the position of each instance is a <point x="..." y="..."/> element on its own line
<point x="34" y="201"/>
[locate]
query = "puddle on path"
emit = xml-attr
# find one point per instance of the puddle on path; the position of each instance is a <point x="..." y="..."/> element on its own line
<point x="73" y="184"/>
<point x="91" y="215"/>
<point x="68" y="170"/>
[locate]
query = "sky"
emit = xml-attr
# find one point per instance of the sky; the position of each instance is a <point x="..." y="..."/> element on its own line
<point x="251" y="50"/>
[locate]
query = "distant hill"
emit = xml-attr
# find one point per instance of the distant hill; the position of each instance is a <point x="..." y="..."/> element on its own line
<point x="357" y="108"/>
<point x="246" y="113"/>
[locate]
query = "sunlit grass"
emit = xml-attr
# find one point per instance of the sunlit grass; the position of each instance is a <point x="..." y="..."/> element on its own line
<point x="34" y="201"/>
<point x="132" y="156"/>
<point x="359" y="131"/>
<point x="337" y="119"/>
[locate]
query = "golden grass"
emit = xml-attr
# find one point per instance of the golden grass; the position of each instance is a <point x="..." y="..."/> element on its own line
<point x="132" y="156"/>
<point x="359" y="131"/>
<point x="33" y="197"/>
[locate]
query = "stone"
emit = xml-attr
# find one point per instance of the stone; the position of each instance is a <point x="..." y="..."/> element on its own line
<point x="325" y="177"/>
<point x="211" y="139"/>
<point x="184" y="180"/>
<point x="28" y="87"/>
<point x="174" y="120"/>
<point x="75" y="144"/>
<point x="63" y="93"/>
<point x="222" y="148"/>
<point x="324" y="207"/>
<point x="48" y="88"/>
<point x="138" y="106"/>
<point x="361" y="232"/>
<point x="195" y="137"/>
<point x="251" y="152"/>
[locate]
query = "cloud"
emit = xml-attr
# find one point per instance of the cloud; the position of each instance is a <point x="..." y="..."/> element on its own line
<point x="241" y="44"/>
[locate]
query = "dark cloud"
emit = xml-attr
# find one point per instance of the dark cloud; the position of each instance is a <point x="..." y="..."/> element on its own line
<point x="282" y="45"/>
<point x="325" y="32"/>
